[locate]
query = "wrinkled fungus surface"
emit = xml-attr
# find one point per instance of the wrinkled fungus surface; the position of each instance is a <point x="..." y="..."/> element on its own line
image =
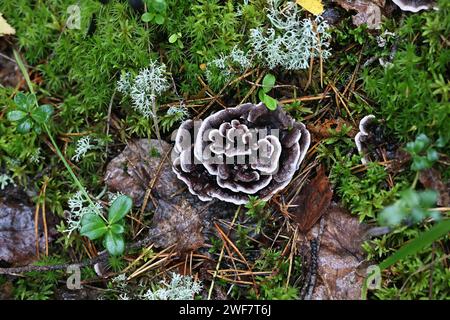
<point x="241" y="151"/>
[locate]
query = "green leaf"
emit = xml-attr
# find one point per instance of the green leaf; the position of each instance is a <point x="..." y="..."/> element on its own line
<point x="420" y="163"/>
<point x="24" y="126"/>
<point x="114" y="243"/>
<point x="422" y="141"/>
<point x="42" y="114"/>
<point x="16" y="115"/>
<point x="432" y="155"/>
<point x="119" y="208"/>
<point x="21" y="100"/>
<point x="173" y="38"/>
<point x="117" y="228"/>
<point x="159" y="19"/>
<point x="159" y="5"/>
<point x="93" y="226"/>
<point x="180" y="44"/>
<point x="270" y="102"/>
<point x="428" y="198"/>
<point x="148" y="16"/>
<point x="424" y="239"/>
<point x="268" y="82"/>
<point x="261" y="95"/>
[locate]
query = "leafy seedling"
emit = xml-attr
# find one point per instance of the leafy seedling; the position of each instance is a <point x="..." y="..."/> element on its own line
<point x="111" y="230"/>
<point x="422" y="152"/>
<point x="267" y="85"/>
<point x="176" y="38"/>
<point x="412" y="207"/>
<point x="156" y="11"/>
<point x="28" y="114"/>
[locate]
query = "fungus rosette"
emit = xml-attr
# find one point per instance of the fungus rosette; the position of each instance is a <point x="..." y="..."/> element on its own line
<point x="241" y="151"/>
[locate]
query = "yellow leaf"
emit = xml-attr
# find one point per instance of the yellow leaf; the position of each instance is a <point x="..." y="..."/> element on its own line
<point x="313" y="6"/>
<point x="5" y="28"/>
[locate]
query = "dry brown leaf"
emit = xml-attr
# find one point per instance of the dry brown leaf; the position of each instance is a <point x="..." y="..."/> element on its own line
<point x="341" y="268"/>
<point x="178" y="225"/>
<point x="132" y="171"/>
<point x="368" y="11"/>
<point x="17" y="235"/>
<point x="312" y="202"/>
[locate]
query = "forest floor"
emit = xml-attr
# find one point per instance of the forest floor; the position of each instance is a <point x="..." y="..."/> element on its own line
<point x="91" y="93"/>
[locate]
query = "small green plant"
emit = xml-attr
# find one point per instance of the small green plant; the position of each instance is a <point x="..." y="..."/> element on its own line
<point x="412" y="207"/>
<point x="267" y="85"/>
<point x="29" y="115"/>
<point x="422" y="152"/>
<point x="111" y="230"/>
<point x="255" y="206"/>
<point x="176" y="38"/>
<point x="156" y="11"/>
<point x="256" y="211"/>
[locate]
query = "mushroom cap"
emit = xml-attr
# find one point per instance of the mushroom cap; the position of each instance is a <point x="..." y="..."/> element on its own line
<point x="364" y="130"/>
<point x="240" y="151"/>
<point x="415" y="5"/>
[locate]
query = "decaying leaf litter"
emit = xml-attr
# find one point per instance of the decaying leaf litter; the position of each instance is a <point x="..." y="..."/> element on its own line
<point x="172" y="229"/>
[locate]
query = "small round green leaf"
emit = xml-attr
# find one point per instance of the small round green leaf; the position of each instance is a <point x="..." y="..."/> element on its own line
<point x="21" y="100"/>
<point x="42" y="114"/>
<point x="16" y="115"/>
<point x="420" y="163"/>
<point x="93" y="226"/>
<point x="148" y="16"/>
<point x="159" y="19"/>
<point x="432" y="155"/>
<point x="24" y="126"/>
<point x="270" y="102"/>
<point x="159" y="5"/>
<point x="119" y="208"/>
<point x="428" y="198"/>
<point x="268" y="82"/>
<point x="173" y="38"/>
<point x="114" y="243"/>
<point x="261" y="95"/>
<point x="117" y="228"/>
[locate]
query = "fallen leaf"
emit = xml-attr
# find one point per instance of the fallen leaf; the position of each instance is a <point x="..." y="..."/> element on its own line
<point x="368" y="11"/>
<point x="323" y="128"/>
<point x="312" y="202"/>
<point x="5" y="28"/>
<point x="136" y="166"/>
<point x="432" y="179"/>
<point x="341" y="269"/>
<point x="178" y="225"/>
<point x="313" y="6"/>
<point x="17" y="235"/>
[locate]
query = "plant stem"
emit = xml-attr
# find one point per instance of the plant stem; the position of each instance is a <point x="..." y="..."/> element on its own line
<point x="416" y="178"/>
<point x="69" y="169"/>
<point x="58" y="151"/>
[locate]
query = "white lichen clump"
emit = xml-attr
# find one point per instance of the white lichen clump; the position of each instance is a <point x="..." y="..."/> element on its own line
<point x="5" y="180"/>
<point x="78" y="207"/>
<point x="180" y="288"/>
<point x="180" y="112"/>
<point x="236" y="61"/>
<point x="144" y="89"/>
<point x="83" y="146"/>
<point x="291" y="41"/>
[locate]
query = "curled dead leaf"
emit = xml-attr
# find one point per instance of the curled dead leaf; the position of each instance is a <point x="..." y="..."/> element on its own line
<point x="312" y="202"/>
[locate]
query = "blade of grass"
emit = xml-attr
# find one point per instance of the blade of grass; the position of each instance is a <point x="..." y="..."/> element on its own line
<point x="423" y="240"/>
